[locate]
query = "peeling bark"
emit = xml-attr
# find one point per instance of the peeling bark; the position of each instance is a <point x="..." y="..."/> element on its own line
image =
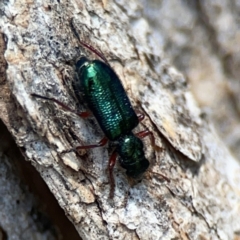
<point x="191" y="189"/>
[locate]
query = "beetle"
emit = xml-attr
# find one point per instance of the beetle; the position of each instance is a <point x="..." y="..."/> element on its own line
<point x="106" y="98"/>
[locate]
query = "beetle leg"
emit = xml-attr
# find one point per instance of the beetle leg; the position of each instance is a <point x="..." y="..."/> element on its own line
<point x="111" y="164"/>
<point x="99" y="144"/>
<point x="145" y="133"/>
<point x="65" y="107"/>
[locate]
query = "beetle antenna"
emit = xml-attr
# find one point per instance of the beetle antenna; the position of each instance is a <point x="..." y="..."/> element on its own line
<point x="88" y="46"/>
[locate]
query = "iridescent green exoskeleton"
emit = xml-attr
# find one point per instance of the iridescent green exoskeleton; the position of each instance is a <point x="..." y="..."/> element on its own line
<point x="101" y="89"/>
<point x="106" y="98"/>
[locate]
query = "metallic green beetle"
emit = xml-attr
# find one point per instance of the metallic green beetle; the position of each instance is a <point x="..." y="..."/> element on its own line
<point x="105" y="96"/>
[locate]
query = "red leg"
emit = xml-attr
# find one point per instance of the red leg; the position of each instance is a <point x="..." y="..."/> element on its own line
<point x="99" y="144"/>
<point x="65" y="107"/>
<point x="111" y="164"/>
<point x="145" y="133"/>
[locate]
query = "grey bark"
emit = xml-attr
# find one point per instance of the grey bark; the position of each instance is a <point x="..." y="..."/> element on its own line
<point x="19" y="214"/>
<point x="191" y="189"/>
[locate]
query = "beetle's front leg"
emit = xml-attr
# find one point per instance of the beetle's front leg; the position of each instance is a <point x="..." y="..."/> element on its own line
<point x="64" y="106"/>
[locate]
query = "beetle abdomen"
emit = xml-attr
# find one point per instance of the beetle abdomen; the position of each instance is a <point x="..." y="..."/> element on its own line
<point x="107" y="99"/>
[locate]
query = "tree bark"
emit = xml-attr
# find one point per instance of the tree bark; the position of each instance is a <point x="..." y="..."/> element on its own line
<point x="191" y="189"/>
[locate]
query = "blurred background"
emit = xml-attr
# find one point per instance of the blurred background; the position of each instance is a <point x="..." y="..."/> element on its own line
<point x="201" y="39"/>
